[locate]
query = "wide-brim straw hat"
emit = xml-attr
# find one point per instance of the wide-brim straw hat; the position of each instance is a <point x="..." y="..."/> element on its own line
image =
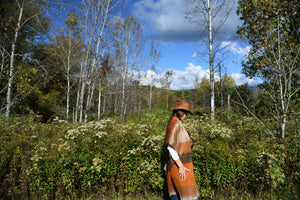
<point x="182" y="105"/>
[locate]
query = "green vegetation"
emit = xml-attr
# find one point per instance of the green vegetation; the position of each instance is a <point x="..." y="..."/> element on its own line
<point x="233" y="159"/>
<point x="81" y="72"/>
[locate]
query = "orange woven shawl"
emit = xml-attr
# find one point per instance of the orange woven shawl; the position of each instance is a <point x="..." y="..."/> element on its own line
<point x="179" y="139"/>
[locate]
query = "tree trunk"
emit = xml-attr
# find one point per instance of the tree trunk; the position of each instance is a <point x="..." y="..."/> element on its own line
<point x="150" y="93"/>
<point x="89" y="100"/>
<point x="116" y="102"/>
<point x="228" y="102"/>
<point x="87" y="103"/>
<point x="139" y="103"/>
<point x="68" y="78"/>
<point x="99" y="100"/>
<point x="2" y="62"/>
<point x="81" y="98"/>
<point x="73" y="114"/>
<point x="167" y="103"/>
<point x="12" y="59"/>
<point x="211" y="64"/>
<point x="105" y="96"/>
<point x="78" y="96"/>
<point x="123" y="101"/>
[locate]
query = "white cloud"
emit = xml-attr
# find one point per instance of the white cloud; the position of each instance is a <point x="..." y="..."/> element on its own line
<point x="180" y="80"/>
<point x="163" y="15"/>
<point x="166" y="20"/>
<point x="186" y="79"/>
<point x="194" y="55"/>
<point x="235" y="48"/>
<point x="241" y="79"/>
<point x="146" y="77"/>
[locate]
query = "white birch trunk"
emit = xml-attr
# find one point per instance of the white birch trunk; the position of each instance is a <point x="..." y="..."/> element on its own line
<point x="68" y="79"/>
<point x="228" y="102"/>
<point x="85" y="70"/>
<point x="116" y="102"/>
<point x="12" y="67"/>
<point x="150" y="92"/>
<point x="82" y="69"/>
<point x="211" y="64"/>
<point x="78" y="96"/>
<point x="123" y="95"/>
<point x="104" y="98"/>
<point x="81" y="97"/>
<point x="99" y="100"/>
<point x="98" y="41"/>
<point x="89" y="100"/>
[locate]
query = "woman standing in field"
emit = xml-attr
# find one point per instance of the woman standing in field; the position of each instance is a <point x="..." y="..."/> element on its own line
<point x="180" y="176"/>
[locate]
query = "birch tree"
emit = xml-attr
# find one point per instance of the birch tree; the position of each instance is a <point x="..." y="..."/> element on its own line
<point x="96" y="14"/>
<point x="210" y="15"/>
<point x="166" y="84"/>
<point x="24" y="18"/>
<point x="154" y="59"/>
<point x="102" y="71"/>
<point x="273" y="33"/>
<point x="68" y="49"/>
<point x="73" y="52"/>
<point x="128" y="38"/>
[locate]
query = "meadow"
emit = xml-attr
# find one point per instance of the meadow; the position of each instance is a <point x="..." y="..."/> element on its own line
<point x="233" y="158"/>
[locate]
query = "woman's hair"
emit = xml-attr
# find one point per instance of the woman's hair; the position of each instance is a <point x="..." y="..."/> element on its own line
<point x="179" y="113"/>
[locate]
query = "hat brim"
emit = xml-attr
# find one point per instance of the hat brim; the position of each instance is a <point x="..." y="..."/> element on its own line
<point x="183" y="110"/>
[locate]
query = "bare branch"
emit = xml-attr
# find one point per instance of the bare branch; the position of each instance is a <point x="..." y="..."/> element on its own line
<point x="253" y="115"/>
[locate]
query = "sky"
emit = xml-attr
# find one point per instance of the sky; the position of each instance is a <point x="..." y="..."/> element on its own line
<point x="181" y="45"/>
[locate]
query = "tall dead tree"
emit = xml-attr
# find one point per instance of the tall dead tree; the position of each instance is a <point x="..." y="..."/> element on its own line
<point x="154" y="59"/>
<point x="210" y="15"/>
<point x="166" y="84"/>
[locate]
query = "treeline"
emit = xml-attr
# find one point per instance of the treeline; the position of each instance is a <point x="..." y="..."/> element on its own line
<point x="72" y="59"/>
<point x="80" y="61"/>
<point x="76" y="60"/>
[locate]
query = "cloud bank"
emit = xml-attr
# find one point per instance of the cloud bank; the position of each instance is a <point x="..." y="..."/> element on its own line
<point x="166" y="21"/>
<point x="186" y="79"/>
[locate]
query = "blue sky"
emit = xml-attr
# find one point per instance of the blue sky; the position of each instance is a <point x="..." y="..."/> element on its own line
<point x="179" y="41"/>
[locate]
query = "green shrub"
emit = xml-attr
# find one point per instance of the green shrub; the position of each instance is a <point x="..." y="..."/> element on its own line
<point x="104" y="159"/>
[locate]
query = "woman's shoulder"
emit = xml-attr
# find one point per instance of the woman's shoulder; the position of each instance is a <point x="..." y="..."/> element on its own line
<point x="175" y="123"/>
<point x="173" y="120"/>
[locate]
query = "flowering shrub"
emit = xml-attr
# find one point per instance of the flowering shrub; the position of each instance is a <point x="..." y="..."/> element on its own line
<point x="100" y="159"/>
<point x="98" y="156"/>
<point x="202" y="127"/>
<point x="273" y="174"/>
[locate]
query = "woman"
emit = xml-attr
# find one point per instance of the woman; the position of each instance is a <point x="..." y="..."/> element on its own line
<point x="180" y="176"/>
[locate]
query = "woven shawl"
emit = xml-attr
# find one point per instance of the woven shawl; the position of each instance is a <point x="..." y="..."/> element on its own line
<point x="179" y="139"/>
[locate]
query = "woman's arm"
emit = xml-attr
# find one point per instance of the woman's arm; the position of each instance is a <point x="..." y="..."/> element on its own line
<point x="178" y="162"/>
<point x="172" y="152"/>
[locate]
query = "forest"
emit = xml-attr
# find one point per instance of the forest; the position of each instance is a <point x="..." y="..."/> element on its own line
<point x="78" y="122"/>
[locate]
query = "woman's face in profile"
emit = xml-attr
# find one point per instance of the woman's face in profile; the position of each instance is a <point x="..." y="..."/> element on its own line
<point x="184" y="116"/>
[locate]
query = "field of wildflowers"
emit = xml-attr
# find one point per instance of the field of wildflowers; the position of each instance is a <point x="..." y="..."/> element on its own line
<point x="108" y="160"/>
